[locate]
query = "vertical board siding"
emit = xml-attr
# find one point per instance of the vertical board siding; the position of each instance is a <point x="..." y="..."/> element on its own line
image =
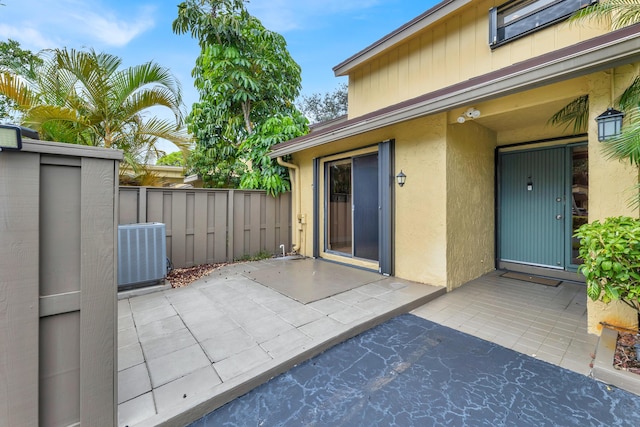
<point x="58" y="286"/>
<point x="210" y="226"/>
<point x="19" y="288"/>
<point x="451" y="50"/>
<point x="60" y="273"/>
<point x="98" y="296"/>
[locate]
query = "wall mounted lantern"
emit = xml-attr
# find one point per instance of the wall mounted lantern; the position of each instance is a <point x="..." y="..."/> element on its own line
<point x="10" y="138"/>
<point x="401" y="177"/>
<point x="609" y="124"/>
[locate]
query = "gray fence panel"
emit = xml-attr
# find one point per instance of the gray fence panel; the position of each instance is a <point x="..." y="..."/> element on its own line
<point x="58" y="210"/>
<point x="211" y="225"/>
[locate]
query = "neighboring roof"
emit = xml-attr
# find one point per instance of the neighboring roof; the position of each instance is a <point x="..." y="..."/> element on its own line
<point x="596" y="54"/>
<point x="315" y="127"/>
<point x="412" y="27"/>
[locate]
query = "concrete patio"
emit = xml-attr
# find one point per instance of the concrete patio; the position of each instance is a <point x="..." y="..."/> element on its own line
<point x="184" y="352"/>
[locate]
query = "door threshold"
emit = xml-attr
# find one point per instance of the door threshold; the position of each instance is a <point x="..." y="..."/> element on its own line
<point x="552" y="273"/>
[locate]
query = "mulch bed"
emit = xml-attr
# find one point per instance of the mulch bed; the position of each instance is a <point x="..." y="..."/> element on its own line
<point x="625" y="357"/>
<point x="181" y="277"/>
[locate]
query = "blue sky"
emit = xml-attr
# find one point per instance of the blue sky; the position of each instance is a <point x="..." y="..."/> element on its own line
<point x="320" y="33"/>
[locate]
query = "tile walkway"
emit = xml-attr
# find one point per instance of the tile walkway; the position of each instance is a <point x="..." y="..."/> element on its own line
<point x="549" y="323"/>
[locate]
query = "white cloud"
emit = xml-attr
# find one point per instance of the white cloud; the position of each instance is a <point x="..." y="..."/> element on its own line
<point x="38" y="24"/>
<point x="28" y="37"/>
<point x="111" y="30"/>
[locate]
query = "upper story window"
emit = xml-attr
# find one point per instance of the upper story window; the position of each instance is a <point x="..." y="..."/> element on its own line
<point x="518" y="18"/>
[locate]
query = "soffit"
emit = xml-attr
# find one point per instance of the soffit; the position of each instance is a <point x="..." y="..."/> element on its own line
<point x="597" y="54"/>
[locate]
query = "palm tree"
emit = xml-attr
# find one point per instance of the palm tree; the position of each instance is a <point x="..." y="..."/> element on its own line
<point x="82" y="97"/>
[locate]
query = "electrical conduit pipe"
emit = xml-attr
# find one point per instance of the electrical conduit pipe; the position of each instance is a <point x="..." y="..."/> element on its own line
<point x="294" y="174"/>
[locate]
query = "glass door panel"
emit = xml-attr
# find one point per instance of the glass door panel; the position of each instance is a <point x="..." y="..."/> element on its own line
<point x="339" y="221"/>
<point x="365" y="206"/>
<point x="579" y="195"/>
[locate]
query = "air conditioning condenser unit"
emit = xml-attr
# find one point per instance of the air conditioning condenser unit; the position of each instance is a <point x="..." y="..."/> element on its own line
<point x="142" y="254"/>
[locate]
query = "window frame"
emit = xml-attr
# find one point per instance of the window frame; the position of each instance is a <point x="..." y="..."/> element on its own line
<point x="511" y="7"/>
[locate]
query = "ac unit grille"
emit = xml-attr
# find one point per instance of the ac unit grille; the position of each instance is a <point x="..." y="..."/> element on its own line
<point x="142" y="254"/>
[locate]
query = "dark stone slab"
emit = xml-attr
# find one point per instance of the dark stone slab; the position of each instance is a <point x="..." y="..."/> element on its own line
<point x="307" y="280"/>
<point x="410" y="371"/>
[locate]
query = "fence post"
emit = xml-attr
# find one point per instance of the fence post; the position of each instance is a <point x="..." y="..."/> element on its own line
<point x="230" y="217"/>
<point x="142" y="204"/>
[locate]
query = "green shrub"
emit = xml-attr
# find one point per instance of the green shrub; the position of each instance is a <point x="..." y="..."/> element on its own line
<point x="611" y="254"/>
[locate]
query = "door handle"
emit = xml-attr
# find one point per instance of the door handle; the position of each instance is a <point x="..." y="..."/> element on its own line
<point x="558" y="216"/>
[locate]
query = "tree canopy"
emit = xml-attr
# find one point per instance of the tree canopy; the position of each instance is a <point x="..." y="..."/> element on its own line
<point x="320" y="107"/>
<point x="14" y="59"/>
<point x="247" y="82"/>
<point x="172" y="159"/>
<point x="84" y="97"/>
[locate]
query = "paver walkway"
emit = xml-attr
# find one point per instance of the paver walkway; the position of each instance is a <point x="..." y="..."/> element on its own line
<point x="183" y="352"/>
<point x="413" y="372"/>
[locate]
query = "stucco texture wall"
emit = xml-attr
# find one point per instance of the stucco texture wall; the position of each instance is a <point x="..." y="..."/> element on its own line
<point x="611" y="185"/>
<point x="420" y="206"/>
<point x="421" y="216"/>
<point x="470" y="202"/>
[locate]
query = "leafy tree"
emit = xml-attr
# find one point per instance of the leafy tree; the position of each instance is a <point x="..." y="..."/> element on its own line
<point x="172" y="159"/>
<point x="322" y="107"/>
<point x="247" y="82"/>
<point x="83" y="97"/>
<point x="14" y="59"/>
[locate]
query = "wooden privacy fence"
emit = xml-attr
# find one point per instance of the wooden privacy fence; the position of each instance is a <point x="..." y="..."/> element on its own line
<point x="211" y="225"/>
<point x="58" y="311"/>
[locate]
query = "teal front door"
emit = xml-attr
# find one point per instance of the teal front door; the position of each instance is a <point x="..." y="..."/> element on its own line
<point x="532" y="197"/>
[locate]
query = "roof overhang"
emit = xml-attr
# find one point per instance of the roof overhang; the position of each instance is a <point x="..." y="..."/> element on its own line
<point x="599" y="53"/>
<point x="406" y="31"/>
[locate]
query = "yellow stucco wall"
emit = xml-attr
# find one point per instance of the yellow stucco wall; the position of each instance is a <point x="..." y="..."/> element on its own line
<point x="421" y="216"/>
<point x="611" y="185"/>
<point x="449" y="52"/>
<point x="470" y="202"/>
<point x="420" y="209"/>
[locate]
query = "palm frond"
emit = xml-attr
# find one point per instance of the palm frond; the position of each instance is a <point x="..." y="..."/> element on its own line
<point x="630" y="98"/>
<point x="575" y="113"/>
<point x="17" y="91"/>
<point x="621" y="13"/>
<point x="132" y="79"/>
<point x="153" y="97"/>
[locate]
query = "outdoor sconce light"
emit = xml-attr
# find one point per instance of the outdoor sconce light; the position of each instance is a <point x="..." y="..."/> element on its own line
<point x="401" y="177"/>
<point x="609" y="124"/>
<point x="529" y="184"/>
<point x="10" y="138"/>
